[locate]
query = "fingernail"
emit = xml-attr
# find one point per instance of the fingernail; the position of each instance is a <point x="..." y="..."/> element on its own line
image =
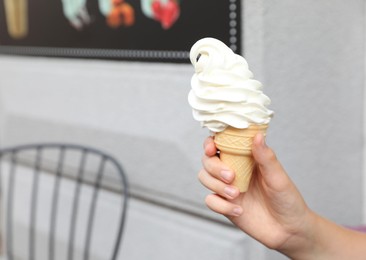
<point x="230" y="191"/>
<point x="237" y="211"/>
<point x="227" y="175"/>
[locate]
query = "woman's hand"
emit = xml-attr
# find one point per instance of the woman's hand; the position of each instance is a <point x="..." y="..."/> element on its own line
<point x="272" y="210"/>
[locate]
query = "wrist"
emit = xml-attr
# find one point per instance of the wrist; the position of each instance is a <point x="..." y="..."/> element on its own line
<point x="302" y="244"/>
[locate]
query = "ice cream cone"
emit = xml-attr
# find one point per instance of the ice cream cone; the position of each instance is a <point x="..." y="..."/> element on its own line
<point x="17" y="17"/>
<point x="235" y="147"/>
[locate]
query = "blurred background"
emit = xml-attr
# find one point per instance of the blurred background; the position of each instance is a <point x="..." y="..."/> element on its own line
<point x="310" y="55"/>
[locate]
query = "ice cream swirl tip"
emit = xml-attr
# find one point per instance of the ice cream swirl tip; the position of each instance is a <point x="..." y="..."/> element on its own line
<point x="223" y="89"/>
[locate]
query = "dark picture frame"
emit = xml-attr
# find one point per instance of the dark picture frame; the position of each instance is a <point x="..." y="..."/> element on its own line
<point x="137" y="30"/>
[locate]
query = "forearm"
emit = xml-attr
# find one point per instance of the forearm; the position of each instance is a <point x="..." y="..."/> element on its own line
<point x="327" y="240"/>
<point x="336" y="242"/>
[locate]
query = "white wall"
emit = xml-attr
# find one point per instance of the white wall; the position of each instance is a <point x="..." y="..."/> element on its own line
<point x="310" y="56"/>
<point x="364" y="129"/>
<point x="2" y="116"/>
<point x="314" y="70"/>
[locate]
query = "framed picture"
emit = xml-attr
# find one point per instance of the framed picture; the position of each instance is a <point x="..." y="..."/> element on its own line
<point x="141" y="30"/>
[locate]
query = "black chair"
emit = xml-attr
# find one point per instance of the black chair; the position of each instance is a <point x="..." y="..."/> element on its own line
<point x="61" y="201"/>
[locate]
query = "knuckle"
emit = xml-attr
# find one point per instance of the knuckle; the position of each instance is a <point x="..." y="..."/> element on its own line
<point x="201" y="174"/>
<point x="211" y="203"/>
<point x="271" y="155"/>
<point x="208" y="200"/>
<point x="218" y="205"/>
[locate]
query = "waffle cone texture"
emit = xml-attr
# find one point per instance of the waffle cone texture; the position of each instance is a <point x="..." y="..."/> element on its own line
<point x="235" y="146"/>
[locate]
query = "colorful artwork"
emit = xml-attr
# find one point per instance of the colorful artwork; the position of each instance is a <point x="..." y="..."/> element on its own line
<point x="16" y="18"/>
<point x="121" y="13"/>
<point x="164" y="11"/>
<point x="76" y="12"/>
<point x="116" y="29"/>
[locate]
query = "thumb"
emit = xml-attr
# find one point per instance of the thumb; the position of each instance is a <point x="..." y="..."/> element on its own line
<point x="269" y="167"/>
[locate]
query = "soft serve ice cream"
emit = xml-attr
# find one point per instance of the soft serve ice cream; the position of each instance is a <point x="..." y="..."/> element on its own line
<point x="223" y="89"/>
<point x="226" y="99"/>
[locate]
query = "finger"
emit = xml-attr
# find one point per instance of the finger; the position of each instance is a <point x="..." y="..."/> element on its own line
<point x="217" y="186"/>
<point x="269" y="167"/>
<point x="215" y="167"/>
<point x="209" y="146"/>
<point x="222" y="206"/>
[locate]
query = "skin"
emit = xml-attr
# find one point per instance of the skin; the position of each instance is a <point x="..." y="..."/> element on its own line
<point x="273" y="211"/>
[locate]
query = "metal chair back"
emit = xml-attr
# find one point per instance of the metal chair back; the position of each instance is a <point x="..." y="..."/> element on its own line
<point x="61" y="201"/>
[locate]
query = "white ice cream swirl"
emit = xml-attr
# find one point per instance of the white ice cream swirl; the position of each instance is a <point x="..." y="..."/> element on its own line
<point x="223" y="89"/>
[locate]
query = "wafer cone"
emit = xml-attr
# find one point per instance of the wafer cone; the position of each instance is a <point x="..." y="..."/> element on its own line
<point x="16" y="12"/>
<point x="235" y="147"/>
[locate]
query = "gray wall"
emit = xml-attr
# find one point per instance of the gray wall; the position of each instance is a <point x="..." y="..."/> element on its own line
<point x="308" y="54"/>
<point x="314" y="70"/>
